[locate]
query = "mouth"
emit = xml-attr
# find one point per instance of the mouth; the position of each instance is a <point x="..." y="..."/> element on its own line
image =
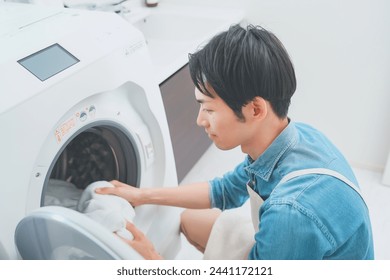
<point x="210" y="135"/>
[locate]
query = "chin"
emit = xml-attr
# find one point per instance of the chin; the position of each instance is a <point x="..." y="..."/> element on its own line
<point x="224" y="147"/>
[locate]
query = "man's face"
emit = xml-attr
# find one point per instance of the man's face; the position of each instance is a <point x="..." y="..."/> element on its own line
<point x="221" y="124"/>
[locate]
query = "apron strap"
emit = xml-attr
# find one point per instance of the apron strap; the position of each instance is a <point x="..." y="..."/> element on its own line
<point x="256" y="201"/>
<point x="323" y="171"/>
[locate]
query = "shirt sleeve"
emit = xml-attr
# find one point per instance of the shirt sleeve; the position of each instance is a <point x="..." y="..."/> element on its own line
<point x="289" y="231"/>
<point x="229" y="191"/>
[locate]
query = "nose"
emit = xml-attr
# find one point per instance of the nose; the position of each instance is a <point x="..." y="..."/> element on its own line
<point x="201" y="120"/>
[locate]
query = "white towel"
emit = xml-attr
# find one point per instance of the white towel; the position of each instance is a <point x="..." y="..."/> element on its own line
<point x="111" y="211"/>
<point x="62" y="193"/>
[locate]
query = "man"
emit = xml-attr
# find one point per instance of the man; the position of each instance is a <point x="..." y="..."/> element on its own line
<point x="305" y="203"/>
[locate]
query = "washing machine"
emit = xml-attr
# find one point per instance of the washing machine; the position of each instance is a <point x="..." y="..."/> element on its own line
<point x="78" y="104"/>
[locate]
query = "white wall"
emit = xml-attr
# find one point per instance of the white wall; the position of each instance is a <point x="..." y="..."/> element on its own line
<point x="341" y="53"/>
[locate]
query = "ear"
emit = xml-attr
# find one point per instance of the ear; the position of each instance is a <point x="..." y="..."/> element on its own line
<point x="259" y="108"/>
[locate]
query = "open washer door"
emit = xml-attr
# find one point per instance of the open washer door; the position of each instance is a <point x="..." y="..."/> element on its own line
<point x="58" y="233"/>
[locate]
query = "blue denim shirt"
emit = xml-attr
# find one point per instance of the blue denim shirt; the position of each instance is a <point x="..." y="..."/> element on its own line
<point x="309" y="217"/>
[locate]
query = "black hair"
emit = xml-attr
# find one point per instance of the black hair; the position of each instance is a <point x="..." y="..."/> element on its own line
<point x="241" y="64"/>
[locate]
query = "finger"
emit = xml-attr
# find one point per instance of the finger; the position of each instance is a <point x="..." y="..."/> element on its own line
<point x="121" y="237"/>
<point x="110" y="189"/>
<point x="118" y="184"/>
<point x="106" y="190"/>
<point x="129" y="241"/>
<point x="134" y="230"/>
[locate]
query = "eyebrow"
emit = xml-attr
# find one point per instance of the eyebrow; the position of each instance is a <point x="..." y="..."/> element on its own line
<point x="201" y="101"/>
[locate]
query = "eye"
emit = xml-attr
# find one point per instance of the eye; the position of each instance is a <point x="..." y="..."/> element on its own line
<point x="207" y="111"/>
<point x="204" y="109"/>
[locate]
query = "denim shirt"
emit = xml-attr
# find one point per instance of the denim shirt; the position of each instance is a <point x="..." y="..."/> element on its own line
<point x="309" y="217"/>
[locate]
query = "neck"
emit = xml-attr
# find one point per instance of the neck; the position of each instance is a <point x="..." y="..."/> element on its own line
<point x="264" y="135"/>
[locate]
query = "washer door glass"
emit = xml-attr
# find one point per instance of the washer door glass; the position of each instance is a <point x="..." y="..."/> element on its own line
<point x="58" y="233"/>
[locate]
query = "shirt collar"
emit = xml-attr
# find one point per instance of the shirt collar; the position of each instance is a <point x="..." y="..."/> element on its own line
<point x="264" y="165"/>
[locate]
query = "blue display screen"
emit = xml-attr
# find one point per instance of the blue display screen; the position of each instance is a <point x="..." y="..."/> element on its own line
<point x="48" y="61"/>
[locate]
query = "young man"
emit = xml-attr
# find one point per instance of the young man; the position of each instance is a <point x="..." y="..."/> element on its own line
<point x="305" y="203"/>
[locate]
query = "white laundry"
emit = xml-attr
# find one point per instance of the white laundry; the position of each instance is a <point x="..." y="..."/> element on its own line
<point x="111" y="211"/>
<point x="62" y="193"/>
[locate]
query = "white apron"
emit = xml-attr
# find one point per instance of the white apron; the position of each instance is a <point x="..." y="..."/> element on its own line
<point x="232" y="236"/>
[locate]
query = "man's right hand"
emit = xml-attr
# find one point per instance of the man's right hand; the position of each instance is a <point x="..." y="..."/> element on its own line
<point x="130" y="193"/>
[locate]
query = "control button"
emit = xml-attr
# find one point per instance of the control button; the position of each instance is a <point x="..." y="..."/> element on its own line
<point x="83" y="116"/>
<point x="92" y="110"/>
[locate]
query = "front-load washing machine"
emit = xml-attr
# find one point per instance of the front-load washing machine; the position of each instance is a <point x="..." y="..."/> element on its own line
<point x="78" y="104"/>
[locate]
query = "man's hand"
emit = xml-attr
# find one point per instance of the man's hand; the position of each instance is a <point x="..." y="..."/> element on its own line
<point x="141" y="243"/>
<point x="130" y="193"/>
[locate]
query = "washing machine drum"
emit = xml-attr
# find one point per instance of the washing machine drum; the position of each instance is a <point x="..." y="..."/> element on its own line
<point x="102" y="152"/>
